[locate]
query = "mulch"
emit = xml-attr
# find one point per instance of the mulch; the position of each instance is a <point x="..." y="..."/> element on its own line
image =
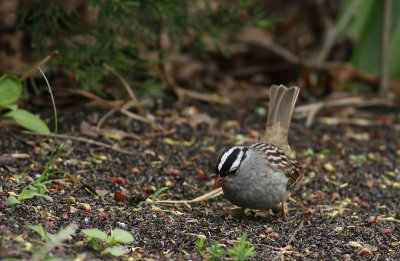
<point x="346" y="207"/>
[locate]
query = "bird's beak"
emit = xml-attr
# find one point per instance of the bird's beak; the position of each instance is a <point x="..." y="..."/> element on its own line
<point x="219" y="181"/>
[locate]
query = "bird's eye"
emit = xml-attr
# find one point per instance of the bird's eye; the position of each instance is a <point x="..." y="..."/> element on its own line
<point x="232" y="172"/>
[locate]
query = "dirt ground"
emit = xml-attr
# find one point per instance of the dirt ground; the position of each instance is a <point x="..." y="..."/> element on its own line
<point x="345" y="208"/>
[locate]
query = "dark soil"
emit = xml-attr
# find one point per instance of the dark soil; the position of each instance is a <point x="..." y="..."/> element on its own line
<point x="346" y="207"/>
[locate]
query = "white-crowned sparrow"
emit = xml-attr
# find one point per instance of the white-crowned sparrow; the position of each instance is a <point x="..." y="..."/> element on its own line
<point x="259" y="176"/>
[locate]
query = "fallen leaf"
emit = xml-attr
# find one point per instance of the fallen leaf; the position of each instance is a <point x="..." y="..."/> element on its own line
<point x="335" y="196"/>
<point x="101" y="192"/>
<point x="118" y="180"/>
<point x="199" y="172"/>
<point x="85" y="206"/>
<point x="371" y="220"/>
<point x="308" y="212"/>
<point x="134" y="170"/>
<point x="386" y="232"/>
<point x="119" y="196"/>
<point x="339" y="229"/>
<point x="70" y="199"/>
<point x="365" y="205"/>
<point x="355" y="244"/>
<point x="365" y="251"/>
<point x="329" y="167"/>
<point x="320" y="194"/>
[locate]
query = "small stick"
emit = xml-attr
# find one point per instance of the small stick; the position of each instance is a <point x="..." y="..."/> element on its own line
<point x="203" y="96"/>
<point x="105" y="116"/>
<point x="142" y="119"/>
<point x="160" y="134"/>
<point x="295" y="232"/>
<point x="389" y="220"/>
<point x="115" y="104"/>
<point x="124" y="83"/>
<point x="333" y="32"/>
<point x="212" y="194"/>
<point x="36" y="67"/>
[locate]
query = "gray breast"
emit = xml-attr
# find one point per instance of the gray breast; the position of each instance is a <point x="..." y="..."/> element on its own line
<point x="255" y="185"/>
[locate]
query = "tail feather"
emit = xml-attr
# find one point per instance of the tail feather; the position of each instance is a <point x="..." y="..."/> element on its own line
<point x="282" y="101"/>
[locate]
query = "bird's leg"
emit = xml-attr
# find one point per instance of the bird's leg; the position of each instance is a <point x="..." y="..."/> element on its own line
<point x="243" y="218"/>
<point x="239" y="214"/>
<point x="283" y="212"/>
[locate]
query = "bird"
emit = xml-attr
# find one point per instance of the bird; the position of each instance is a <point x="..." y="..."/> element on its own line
<point x="260" y="176"/>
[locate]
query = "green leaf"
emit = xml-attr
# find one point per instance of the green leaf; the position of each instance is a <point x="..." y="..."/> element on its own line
<point x="115" y="251"/>
<point x="216" y="251"/>
<point x="27" y="194"/>
<point x="95" y="233"/>
<point x="122" y="236"/>
<point x="11" y="200"/>
<point x="21" y="178"/>
<point x="242" y="251"/>
<point x="46" y="197"/>
<point x="41" y="188"/>
<point x="10" y="106"/>
<point x="157" y="194"/>
<point x="10" y="89"/>
<point x="39" y="229"/>
<point x="28" y="120"/>
<point x="366" y="27"/>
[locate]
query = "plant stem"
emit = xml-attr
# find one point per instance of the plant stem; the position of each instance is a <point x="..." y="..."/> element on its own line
<point x="50" y="161"/>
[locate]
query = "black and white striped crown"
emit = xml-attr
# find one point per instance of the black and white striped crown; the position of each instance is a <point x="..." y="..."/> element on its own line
<point x="229" y="161"/>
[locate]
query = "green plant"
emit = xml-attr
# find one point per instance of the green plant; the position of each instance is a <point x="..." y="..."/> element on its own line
<point x="242" y="251"/>
<point x="52" y="240"/>
<point x="10" y="91"/>
<point x="88" y="34"/>
<point x="157" y="194"/>
<point x="366" y="28"/>
<point x="200" y="243"/>
<point x="216" y="251"/>
<point x="45" y="236"/>
<point x="38" y="187"/>
<point x="117" y="236"/>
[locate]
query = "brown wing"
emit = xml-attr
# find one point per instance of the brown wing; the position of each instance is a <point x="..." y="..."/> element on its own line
<point x="278" y="161"/>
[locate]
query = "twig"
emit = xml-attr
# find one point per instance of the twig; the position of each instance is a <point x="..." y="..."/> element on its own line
<point x="294" y="59"/>
<point x="347" y="72"/>
<point x="389" y="219"/>
<point x="182" y="93"/>
<point x="161" y="134"/>
<point x="90" y="96"/>
<point x="212" y="194"/>
<point x="203" y="96"/>
<point x="295" y="232"/>
<point x="142" y="119"/>
<point x="125" y="84"/>
<point x="354" y="121"/>
<point x="386" y="17"/>
<point x="333" y="32"/>
<point x="115" y="104"/>
<point x="310" y="110"/>
<point x="170" y="81"/>
<point x="105" y="116"/>
<point x="284" y="250"/>
<point x="36" y="67"/>
<point x="85" y="140"/>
